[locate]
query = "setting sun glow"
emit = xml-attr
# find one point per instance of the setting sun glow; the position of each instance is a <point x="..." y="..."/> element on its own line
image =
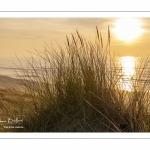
<point x="128" y="29"/>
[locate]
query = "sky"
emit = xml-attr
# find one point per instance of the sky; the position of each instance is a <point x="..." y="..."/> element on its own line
<point x="18" y="36"/>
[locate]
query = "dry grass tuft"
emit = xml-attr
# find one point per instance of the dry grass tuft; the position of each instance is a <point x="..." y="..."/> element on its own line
<point x="76" y="89"/>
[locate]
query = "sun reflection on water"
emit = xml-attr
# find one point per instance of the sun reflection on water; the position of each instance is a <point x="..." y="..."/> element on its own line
<point x="128" y="70"/>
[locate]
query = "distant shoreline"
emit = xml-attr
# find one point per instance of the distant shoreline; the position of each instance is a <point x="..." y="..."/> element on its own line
<point x="9" y="82"/>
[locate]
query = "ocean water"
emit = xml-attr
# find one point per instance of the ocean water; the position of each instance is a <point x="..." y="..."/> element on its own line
<point x="8" y="65"/>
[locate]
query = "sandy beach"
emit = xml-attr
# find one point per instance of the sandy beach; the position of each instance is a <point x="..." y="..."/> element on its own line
<point x="8" y="82"/>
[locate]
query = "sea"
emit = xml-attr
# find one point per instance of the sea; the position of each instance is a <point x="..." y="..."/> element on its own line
<point x="10" y="65"/>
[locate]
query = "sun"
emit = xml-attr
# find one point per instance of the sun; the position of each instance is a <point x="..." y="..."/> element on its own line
<point x="128" y="29"/>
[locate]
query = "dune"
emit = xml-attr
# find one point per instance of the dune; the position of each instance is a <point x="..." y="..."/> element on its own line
<point x="8" y="82"/>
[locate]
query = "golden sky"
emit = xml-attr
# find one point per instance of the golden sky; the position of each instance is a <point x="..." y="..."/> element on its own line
<point x="20" y="35"/>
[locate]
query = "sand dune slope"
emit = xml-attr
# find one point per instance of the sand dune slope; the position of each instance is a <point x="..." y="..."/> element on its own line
<point x="8" y="82"/>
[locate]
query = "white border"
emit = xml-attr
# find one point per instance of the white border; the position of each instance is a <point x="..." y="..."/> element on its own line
<point x="76" y="5"/>
<point x="75" y="135"/>
<point x="72" y="14"/>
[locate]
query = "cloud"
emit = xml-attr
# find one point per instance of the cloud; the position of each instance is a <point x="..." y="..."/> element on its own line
<point x="86" y="22"/>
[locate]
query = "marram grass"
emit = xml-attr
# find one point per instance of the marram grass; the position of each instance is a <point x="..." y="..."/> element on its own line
<point x="75" y="89"/>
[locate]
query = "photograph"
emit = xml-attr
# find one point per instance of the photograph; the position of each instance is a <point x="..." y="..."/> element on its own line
<point x="75" y="74"/>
